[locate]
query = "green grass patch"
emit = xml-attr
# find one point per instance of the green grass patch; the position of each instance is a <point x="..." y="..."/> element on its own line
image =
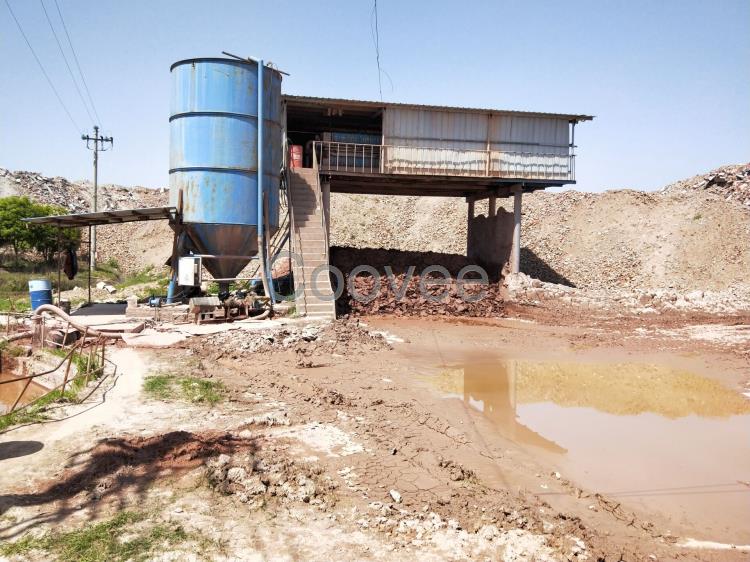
<point x="35" y="412"/>
<point x="188" y="389"/>
<point x="127" y="536"/>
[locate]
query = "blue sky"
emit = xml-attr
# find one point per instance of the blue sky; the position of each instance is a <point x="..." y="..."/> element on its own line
<point x="669" y="80"/>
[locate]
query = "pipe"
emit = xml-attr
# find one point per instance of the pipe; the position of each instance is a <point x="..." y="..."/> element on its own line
<point x="262" y="316"/>
<point x="18" y="336"/>
<point x="260" y="146"/>
<point x="172" y="286"/>
<point x="61" y="314"/>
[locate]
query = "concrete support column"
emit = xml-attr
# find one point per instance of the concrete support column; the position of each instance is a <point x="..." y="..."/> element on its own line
<point x="469" y="221"/>
<point x="492" y="206"/>
<point x="515" y="256"/>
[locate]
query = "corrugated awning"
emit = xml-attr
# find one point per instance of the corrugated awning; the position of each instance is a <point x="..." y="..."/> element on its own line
<point x="107" y="217"/>
<point x="302" y="101"/>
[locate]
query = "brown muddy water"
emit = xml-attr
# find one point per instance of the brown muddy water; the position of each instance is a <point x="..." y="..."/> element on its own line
<point x="651" y="436"/>
<point x="10" y="391"/>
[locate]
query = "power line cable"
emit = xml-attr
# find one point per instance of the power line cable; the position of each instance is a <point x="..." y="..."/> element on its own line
<point x="67" y="64"/>
<point x="377" y="48"/>
<point x="78" y="65"/>
<point x="41" y="67"/>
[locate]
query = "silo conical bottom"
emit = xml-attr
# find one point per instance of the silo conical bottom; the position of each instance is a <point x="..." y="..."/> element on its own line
<point x="224" y="240"/>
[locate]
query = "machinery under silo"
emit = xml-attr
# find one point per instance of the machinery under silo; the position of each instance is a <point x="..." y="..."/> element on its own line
<point x="220" y="137"/>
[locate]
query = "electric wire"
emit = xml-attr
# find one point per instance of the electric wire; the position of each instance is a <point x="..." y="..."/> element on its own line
<point x="78" y="65"/>
<point x="41" y="67"/>
<point x="377" y="48"/>
<point x="65" y="59"/>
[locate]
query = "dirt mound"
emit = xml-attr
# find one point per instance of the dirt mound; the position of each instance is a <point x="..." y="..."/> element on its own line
<point x="264" y="476"/>
<point x="135" y="245"/>
<point x="341" y="336"/>
<point x="691" y="236"/>
<point x="730" y="182"/>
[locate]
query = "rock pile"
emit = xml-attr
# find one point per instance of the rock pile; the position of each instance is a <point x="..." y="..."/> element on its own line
<point x="525" y="289"/>
<point x="76" y="197"/>
<point x="339" y="336"/>
<point x="730" y="182"/>
<point x="422" y="297"/>
<point x="135" y="246"/>
<point x="262" y="476"/>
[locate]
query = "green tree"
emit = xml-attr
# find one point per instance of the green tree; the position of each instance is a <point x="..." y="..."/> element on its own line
<point x="22" y="236"/>
<point x="43" y="238"/>
<point x="14" y="232"/>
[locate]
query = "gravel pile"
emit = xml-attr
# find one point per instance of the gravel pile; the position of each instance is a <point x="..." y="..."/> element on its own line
<point x="690" y="236"/>
<point x="77" y="197"/>
<point x="340" y="336"/>
<point x="135" y="246"/>
<point x="734" y="300"/>
<point x="730" y="182"/>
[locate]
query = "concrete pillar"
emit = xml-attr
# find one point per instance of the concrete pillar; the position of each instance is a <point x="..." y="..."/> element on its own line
<point x="515" y="259"/>
<point x="492" y="206"/>
<point x="469" y="221"/>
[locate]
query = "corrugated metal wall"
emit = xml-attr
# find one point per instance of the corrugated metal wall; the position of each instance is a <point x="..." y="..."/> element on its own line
<point x="421" y="140"/>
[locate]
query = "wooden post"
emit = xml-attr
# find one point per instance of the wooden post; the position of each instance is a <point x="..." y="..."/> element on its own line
<point x="67" y="371"/>
<point x="492" y="206"/>
<point x="88" y="363"/>
<point x="20" y="394"/>
<point x="104" y="344"/>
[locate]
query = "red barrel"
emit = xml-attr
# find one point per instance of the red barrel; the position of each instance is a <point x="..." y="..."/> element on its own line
<point x="295" y="156"/>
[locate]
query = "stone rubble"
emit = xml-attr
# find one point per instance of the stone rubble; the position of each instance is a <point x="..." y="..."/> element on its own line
<point x="730" y="182"/>
<point x="525" y="289"/>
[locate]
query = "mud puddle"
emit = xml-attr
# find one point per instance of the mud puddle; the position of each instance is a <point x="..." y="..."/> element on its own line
<point x="650" y="436"/>
<point x="9" y="392"/>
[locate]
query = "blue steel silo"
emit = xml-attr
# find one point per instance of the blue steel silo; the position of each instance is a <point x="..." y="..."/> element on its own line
<point x="213" y="156"/>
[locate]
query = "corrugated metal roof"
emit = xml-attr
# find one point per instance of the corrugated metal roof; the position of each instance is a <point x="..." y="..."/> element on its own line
<point x="384" y="105"/>
<point x="106" y="217"/>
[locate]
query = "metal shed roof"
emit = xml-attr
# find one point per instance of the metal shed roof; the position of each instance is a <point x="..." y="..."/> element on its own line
<point x="364" y="104"/>
<point x="107" y="217"/>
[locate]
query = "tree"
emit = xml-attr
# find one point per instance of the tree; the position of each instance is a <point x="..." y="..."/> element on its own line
<point x="42" y="238"/>
<point x="13" y="231"/>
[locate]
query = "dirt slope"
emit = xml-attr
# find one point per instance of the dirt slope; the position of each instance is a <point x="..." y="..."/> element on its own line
<point x="692" y="235"/>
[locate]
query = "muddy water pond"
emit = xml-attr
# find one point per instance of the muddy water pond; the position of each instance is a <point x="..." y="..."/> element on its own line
<point x="9" y="392"/>
<point x="649" y="435"/>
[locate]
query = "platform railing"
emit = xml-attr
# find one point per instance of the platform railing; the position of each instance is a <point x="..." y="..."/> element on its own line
<point x="556" y="163"/>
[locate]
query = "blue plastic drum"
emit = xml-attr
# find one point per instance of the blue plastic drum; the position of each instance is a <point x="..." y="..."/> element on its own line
<point x="40" y="291"/>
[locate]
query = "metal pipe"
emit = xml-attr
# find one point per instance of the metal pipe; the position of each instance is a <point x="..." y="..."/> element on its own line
<point x="260" y="146"/>
<point x="80" y="327"/>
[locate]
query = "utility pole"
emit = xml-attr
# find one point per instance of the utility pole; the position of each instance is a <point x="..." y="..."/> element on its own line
<point x="99" y="145"/>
